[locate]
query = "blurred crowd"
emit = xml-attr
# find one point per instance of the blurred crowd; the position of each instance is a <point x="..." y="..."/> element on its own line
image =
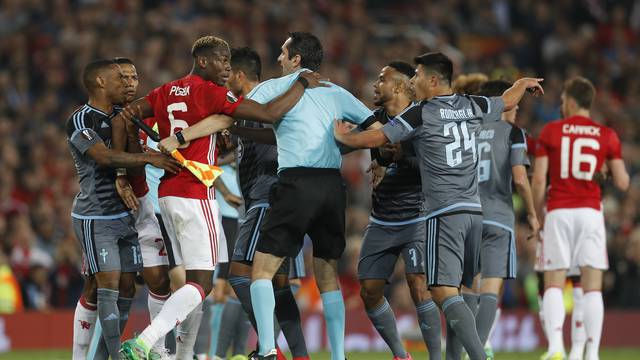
<point x="45" y="44"/>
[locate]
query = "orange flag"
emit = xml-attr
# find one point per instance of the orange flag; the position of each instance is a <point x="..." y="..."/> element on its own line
<point x="206" y="173"/>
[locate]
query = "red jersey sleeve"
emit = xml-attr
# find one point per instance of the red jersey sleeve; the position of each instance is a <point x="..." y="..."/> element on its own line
<point x="152" y="96"/>
<point x="220" y="100"/>
<point x="542" y="142"/>
<point x="614" y="150"/>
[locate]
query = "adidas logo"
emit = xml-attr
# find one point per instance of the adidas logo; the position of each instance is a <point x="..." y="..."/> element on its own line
<point x="453" y="323"/>
<point x="424" y="326"/>
<point x="111" y="316"/>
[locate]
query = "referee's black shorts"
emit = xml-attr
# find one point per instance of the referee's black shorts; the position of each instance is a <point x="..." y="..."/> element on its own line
<point x="305" y="201"/>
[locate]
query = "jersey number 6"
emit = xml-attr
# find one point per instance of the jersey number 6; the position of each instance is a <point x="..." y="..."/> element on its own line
<point x="177" y="124"/>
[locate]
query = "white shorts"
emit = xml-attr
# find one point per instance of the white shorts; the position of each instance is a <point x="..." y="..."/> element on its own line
<point x="149" y="234"/>
<point x="195" y="231"/>
<point x="573" y="238"/>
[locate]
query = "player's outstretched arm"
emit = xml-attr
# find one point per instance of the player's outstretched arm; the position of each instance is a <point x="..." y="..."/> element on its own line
<point x="358" y="140"/>
<point x="512" y="96"/>
<point x="539" y="183"/>
<point x="228" y="196"/>
<point x="115" y="159"/>
<point x="521" y="181"/>
<point x="259" y="135"/>
<point x="619" y="174"/>
<point x="205" y="127"/>
<point x="274" y="110"/>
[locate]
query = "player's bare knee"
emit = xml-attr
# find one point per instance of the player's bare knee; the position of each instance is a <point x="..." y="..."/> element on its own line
<point x="127" y="285"/>
<point x="90" y="289"/>
<point x="441" y="293"/>
<point x="371" y="295"/>
<point x="418" y="288"/>
<point x="280" y="281"/>
<point x="239" y="269"/>
<point x="108" y="280"/>
<point x="157" y="279"/>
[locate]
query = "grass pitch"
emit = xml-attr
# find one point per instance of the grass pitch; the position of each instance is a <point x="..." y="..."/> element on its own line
<point x="606" y="354"/>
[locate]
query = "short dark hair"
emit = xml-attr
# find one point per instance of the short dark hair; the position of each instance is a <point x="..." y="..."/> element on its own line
<point x="438" y="63"/>
<point x="403" y="68"/>
<point x="494" y="88"/>
<point x="248" y="61"/>
<point x="206" y="45"/>
<point x="123" y="60"/>
<point x="91" y="71"/>
<point x="581" y="90"/>
<point x="309" y="48"/>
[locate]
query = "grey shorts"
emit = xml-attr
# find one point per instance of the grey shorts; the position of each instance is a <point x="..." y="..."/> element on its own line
<point x="248" y="237"/>
<point x="109" y="245"/>
<point x="497" y="252"/>
<point x="453" y="248"/>
<point x="383" y="244"/>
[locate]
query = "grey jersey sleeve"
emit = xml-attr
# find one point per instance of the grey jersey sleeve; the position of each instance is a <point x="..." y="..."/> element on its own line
<point x="405" y="126"/>
<point x="518" y="151"/>
<point x="84" y="139"/>
<point x="491" y="108"/>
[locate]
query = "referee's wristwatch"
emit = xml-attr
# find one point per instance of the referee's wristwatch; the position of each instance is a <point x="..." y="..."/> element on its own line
<point x="180" y="138"/>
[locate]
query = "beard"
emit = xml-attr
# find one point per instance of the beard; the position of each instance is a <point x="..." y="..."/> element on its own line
<point x="381" y="100"/>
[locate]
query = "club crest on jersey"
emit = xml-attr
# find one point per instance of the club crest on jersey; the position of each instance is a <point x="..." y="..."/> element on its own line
<point x="230" y="97"/>
<point x="87" y="135"/>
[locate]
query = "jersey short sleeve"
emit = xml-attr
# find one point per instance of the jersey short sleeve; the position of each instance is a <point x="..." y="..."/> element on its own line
<point x="353" y="110"/>
<point x="614" y="147"/>
<point x="219" y="99"/>
<point x="490" y="107"/>
<point x="405" y="125"/>
<point x="83" y="137"/>
<point x="542" y="142"/>
<point x="518" y="151"/>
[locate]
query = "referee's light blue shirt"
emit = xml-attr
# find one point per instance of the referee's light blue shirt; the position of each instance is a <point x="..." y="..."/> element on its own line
<point x="305" y="134"/>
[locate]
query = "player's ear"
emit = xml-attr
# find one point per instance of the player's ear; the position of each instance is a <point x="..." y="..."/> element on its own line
<point x="101" y="81"/>
<point x="201" y="61"/>
<point x="296" y="60"/>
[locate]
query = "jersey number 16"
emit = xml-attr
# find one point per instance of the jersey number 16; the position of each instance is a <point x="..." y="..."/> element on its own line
<point x="578" y="158"/>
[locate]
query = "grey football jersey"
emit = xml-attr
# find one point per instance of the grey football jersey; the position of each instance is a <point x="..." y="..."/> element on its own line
<point x="257" y="167"/>
<point x="98" y="198"/>
<point x="443" y="130"/>
<point x="500" y="147"/>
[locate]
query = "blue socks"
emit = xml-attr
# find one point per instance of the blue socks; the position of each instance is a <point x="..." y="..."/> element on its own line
<point x="264" y="304"/>
<point x="334" y="316"/>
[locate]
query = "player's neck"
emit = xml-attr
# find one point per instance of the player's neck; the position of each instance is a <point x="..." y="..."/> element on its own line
<point x="442" y="91"/>
<point x="197" y="71"/>
<point x="100" y="103"/>
<point x="247" y="87"/>
<point x="395" y="106"/>
<point x="581" y="112"/>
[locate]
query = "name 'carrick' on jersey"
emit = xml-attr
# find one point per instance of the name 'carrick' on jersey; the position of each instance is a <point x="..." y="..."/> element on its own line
<point x="182" y="103"/>
<point x="500" y="147"/>
<point x="257" y="167"/>
<point x="398" y="198"/>
<point x="443" y="132"/>
<point x="98" y="198"/>
<point x="577" y="147"/>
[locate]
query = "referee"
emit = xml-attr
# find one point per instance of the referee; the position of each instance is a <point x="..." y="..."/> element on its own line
<point x="309" y="196"/>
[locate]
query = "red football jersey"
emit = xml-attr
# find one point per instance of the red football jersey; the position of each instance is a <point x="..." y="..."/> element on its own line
<point x="577" y="147"/>
<point x="139" y="183"/>
<point x="182" y="103"/>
